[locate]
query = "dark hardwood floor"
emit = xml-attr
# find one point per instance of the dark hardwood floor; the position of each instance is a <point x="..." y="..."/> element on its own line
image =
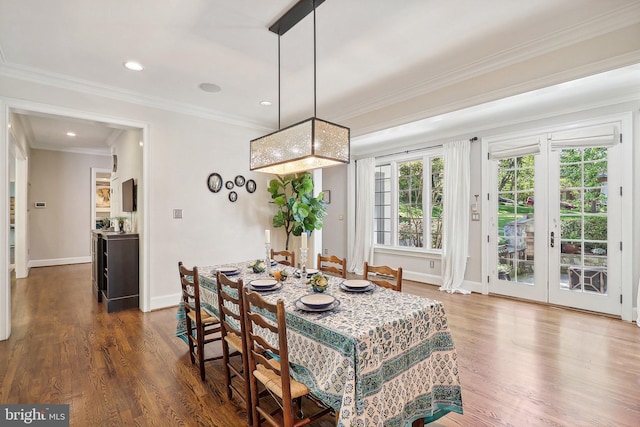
<point x="521" y="364"/>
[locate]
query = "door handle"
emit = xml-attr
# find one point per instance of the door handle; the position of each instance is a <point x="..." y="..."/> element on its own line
<point x="552" y="239"/>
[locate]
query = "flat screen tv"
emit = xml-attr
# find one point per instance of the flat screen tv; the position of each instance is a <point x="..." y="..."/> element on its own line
<point x="129" y="196"/>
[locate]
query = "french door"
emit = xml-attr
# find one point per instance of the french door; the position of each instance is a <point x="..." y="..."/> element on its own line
<point x="556" y="218"/>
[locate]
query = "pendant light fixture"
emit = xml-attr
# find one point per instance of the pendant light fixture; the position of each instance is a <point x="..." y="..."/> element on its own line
<point x="310" y="144"/>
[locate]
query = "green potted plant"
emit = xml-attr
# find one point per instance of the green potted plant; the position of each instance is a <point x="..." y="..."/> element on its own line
<point x="298" y="210"/>
<point x="120" y="220"/>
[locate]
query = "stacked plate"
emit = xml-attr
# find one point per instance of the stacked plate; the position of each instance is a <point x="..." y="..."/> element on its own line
<point x="229" y="271"/>
<point x="317" y="302"/>
<point x="356" y="285"/>
<point x="264" y="285"/>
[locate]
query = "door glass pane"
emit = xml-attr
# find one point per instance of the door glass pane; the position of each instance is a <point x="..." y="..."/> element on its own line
<point x="583" y="220"/>
<point x="515" y="219"/>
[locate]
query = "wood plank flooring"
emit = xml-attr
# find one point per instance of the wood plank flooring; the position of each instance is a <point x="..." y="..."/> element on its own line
<point x="521" y="364"/>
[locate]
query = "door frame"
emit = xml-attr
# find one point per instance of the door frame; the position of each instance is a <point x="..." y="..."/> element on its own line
<point x="627" y="239"/>
<point x="7" y="105"/>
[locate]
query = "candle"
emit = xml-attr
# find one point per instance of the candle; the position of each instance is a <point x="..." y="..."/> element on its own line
<point x="304" y="241"/>
<point x="267" y="236"/>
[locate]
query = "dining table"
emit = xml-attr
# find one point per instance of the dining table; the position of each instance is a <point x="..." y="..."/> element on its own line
<point x="377" y="356"/>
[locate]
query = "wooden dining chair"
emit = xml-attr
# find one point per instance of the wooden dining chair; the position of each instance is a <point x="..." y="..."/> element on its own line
<point x="234" y="342"/>
<point x="202" y="328"/>
<point x="384" y="276"/>
<point x="332" y="264"/>
<point x="289" y="257"/>
<point x="273" y="373"/>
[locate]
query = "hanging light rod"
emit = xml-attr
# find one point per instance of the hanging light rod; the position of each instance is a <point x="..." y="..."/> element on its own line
<point x="310" y="144"/>
<point x="294" y="15"/>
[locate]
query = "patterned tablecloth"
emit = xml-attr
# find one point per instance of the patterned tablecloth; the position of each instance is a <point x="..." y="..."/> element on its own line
<point x="382" y="358"/>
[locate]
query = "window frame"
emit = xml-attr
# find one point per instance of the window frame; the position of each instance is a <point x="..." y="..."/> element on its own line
<point x="426" y="157"/>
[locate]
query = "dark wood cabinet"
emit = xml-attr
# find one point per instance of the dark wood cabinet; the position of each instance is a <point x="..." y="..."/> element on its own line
<point x="115" y="269"/>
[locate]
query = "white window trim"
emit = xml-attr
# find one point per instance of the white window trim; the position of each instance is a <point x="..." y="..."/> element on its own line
<point x="425" y="156"/>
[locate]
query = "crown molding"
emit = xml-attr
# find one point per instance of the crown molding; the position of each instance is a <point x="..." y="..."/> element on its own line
<point x="606" y="23"/>
<point x="86" y="151"/>
<point x="505" y="92"/>
<point x="38" y="76"/>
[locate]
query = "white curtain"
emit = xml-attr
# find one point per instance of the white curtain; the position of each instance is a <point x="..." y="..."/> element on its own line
<point x="360" y="248"/>
<point x="455" y="226"/>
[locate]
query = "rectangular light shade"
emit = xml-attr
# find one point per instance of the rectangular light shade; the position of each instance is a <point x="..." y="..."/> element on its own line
<point x="310" y="144"/>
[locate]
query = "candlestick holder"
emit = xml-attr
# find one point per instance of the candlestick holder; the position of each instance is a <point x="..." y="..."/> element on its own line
<point x="267" y="260"/>
<point x="303" y="261"/>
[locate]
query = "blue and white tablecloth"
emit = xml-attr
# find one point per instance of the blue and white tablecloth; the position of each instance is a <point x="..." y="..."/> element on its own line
<point x="382" y="358"/>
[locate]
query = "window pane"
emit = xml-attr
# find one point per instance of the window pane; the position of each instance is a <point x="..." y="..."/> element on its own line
<point x="410" y="215"/>
<point x="437" y="179"/>
<point x="382" y="205"/>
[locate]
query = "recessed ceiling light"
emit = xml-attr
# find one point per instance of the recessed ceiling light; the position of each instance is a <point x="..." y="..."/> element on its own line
<point x="133" y="66"/>
<point x="265" y="103"/>
<point x="71" y="134"/>
<point x="209" y="87"/>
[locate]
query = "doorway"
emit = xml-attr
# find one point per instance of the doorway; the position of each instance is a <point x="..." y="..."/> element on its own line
<point x="26" y="107"/>
<point x="555" y="228"/>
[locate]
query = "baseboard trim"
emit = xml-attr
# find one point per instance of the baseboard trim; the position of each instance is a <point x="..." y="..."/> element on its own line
<point x="165" y="301"/>
<point x="58" y="261"/>
<point x="433" y="279"/>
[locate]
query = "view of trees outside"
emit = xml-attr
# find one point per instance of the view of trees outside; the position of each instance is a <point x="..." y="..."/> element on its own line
<point x="410" y="214"/>
<point x="515" y="218"/>
<point x="583" y="218"/>
<point x="410" y="189"/>
<point x="411" y="220"/>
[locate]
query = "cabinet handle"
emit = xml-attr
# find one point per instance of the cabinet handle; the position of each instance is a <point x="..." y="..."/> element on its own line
<point x="552" y="239"/>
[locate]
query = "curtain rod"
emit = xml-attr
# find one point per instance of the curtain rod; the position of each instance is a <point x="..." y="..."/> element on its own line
<point x="475" y="138"/>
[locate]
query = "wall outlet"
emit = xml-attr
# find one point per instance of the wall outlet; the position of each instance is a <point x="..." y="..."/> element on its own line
<point x="177" y="214"/>
<point x="475" y="216"/>
<point x="326" y="251"/>
<point x="432" y="264"/>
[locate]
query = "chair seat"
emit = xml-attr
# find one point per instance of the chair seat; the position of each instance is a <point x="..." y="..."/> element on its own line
<point x="206" y="317"/>
<point x="234" y="341"/>
<point x="271" y="380"/>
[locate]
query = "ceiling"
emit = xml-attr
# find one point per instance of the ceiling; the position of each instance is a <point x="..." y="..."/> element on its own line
<point x="372" y="56"/>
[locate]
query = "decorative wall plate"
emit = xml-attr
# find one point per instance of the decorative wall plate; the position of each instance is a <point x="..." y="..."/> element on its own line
<point x="239" y="180"/>
<point x="251" y="186"/>
<point x="233" y="196"/>
<point x="214" y="182"/>
<point x="229" y="185"/>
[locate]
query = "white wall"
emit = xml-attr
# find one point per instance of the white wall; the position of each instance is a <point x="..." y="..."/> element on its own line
<point x="180" y="152"/>
<point x="334" y="232"/>
<point x="59" y="233"/>
<point x="129" y="151"/>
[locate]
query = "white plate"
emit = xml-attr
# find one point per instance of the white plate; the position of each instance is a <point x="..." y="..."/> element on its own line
<point x="300" y="306"/>
<point x="356" y="283"/>
<point x="357" y="290"/>
<point x="311" y="271"/>
<point x="263" y="283"/>
<point x="265" y="289"/>
<point x="274" y="262"/>
<point x="229" y="271"/>
<point x="317" y="300"/>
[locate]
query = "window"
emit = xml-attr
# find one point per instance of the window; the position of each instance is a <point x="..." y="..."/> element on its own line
<point x="405" y="190"/>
